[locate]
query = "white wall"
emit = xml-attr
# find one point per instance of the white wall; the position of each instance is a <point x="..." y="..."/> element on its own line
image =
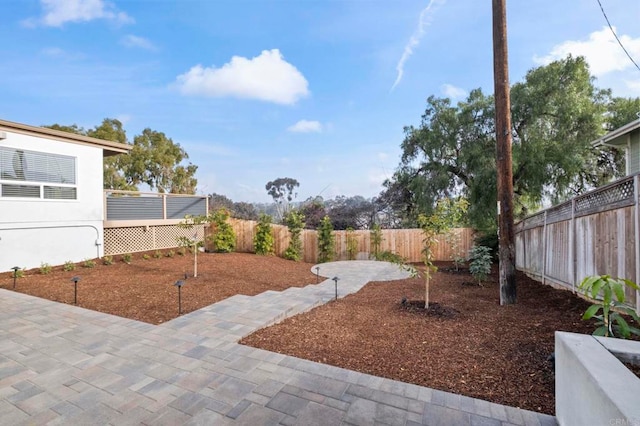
<point x="35" y="231"/>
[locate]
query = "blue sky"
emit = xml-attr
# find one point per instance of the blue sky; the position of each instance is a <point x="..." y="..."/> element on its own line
<point x="309" y="89"/>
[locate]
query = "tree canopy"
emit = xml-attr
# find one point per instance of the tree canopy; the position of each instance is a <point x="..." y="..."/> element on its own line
<point x="556" y="112"/>
<point x="282" y="190"/>
<point x="154" y="159"/>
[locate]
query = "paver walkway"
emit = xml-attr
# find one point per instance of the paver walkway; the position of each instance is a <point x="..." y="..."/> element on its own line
<point x="60" y="364"/>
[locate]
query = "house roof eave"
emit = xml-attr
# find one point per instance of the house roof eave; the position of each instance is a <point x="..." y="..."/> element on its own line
<point x="109" y="148"/>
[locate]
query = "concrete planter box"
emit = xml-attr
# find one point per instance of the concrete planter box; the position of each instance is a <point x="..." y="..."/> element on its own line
<point x="593" y="387"/>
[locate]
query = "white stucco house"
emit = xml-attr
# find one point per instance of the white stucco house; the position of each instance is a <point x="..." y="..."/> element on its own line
<point x="51" y="195"/>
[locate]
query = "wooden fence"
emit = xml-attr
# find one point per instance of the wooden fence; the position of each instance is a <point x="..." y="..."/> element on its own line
<point x="593" y="234"/>
<point x="404" y="242"/>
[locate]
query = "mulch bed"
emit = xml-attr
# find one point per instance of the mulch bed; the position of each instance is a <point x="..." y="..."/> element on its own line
<point x="144" y="290"/>
<point x="465" y="343"/>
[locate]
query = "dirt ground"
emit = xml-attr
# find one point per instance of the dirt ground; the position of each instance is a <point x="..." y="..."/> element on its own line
<point x="144" y="290"/>
<point x="468" y="344"/>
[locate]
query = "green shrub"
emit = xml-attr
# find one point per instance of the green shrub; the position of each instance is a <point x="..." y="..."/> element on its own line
<point x="222" y="237"/>
<point x="610" y="322"/>
<point x="295" y="222"/>
<point x="352" y="244"/>
<point x="182" y="251"/>
<point x="488" y="238"/>
<point x="45" y="268"/>
<point x="325" y="240"/>
<point x="126" y="258"/>
<point x="107" y="260"/>
<point x="69" y="266"/>
<point x="480" y="263"/>
<point x="170" y="253"/>
<point x="263" y="240"/>
<point x="389" y="256"/>
<point x="146" y="256"/>
<point x="89" y="263"/>
<point x="157" y="254"/>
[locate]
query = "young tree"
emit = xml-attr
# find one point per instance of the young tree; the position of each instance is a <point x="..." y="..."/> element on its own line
<point x="282" y="192"/>
<point x="295" y="222"/>
<point x="447" y="212"/>
<point x="263" y="240"/>
<point x="325" y="240"/>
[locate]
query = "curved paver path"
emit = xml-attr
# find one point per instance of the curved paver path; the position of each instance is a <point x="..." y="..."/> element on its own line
<point x="60" y="364"/>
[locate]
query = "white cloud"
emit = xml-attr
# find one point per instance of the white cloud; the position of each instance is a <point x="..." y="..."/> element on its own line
<point x="131" y="40"/>
<point x="306" y="126"/>
<point x="601" y="50"/>
<point x="453" y="92"/>
<point x="59" y="12"/>
<point x="267" y="77"/>
<point x="124" y="118"/>
<point x="424" y="21"/>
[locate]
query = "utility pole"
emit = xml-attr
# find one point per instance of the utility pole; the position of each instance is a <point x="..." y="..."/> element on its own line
<point x="506" y="251"/>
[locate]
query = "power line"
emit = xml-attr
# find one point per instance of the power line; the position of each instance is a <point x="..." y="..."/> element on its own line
<point x="616" y="36"/>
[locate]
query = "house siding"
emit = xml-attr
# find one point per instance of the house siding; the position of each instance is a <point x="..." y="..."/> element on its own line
<point x="634" y="153"/>
<point x="36" y="231"/>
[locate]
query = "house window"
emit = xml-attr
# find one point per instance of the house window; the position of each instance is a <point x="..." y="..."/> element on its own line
<point x="31" y="174"/>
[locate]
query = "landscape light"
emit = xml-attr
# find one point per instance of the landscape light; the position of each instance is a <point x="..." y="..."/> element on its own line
<point x="317" y="274"/>
<point x="179" y="284"/>
<point x="75" y="289"/>
<point x="335" y="280"/>
<point x="15" y="275"/>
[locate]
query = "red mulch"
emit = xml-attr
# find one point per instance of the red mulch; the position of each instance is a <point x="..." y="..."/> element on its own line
<point x="465" y="343"/>
<point x="144" y="290"/>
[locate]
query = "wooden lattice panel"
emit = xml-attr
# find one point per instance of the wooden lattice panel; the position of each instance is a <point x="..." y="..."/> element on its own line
<point x="608" y="195"/>
<point x="143" y="238"/>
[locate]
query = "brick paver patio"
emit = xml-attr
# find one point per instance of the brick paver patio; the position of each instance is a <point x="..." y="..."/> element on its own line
<point x="60" y="364"/>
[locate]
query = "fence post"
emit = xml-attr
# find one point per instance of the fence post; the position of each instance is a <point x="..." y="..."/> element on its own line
<point x="572" y="244"/>
<point x="636" y="196"/>
<point x="544" y="249"/>
<point x="164" y="206"/>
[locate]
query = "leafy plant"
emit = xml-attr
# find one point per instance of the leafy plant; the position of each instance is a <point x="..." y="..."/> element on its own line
<point x="157" y="254"/>
<point x="170" y="253"/>
<point x="295" y="222"/>
<point x="89" y="263"/>
<point x="181" y="251"/>
<point x="454" y="239"/>
<point x="263" y="240"/>
<point x="18" y="273"/>
<point x="325" y="240"/>
<point x="375" y="241"/>
<point x="69" y="266"/>
<point x="610" y="322"/>
<point x="352" y="244"/>
<point x="126" y="258"/>
<point x="480" y="263"/>
<point x="146" y="256"/>
<point x="45" y="268"/>
<point x="222" y="238"/>
<point x="107" y="260"/>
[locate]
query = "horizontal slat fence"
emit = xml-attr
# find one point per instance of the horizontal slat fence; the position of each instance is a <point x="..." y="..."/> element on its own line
<point x="404" y="242"/>
<point x="594" y="234"/>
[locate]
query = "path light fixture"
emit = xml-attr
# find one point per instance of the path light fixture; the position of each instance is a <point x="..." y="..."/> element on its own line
<point x="179" y="284"/>
<point x="15" y="275"/>
<point x="317" y="274"/>
<point x="75" y="289"/>
<point x="335" y="280"/>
